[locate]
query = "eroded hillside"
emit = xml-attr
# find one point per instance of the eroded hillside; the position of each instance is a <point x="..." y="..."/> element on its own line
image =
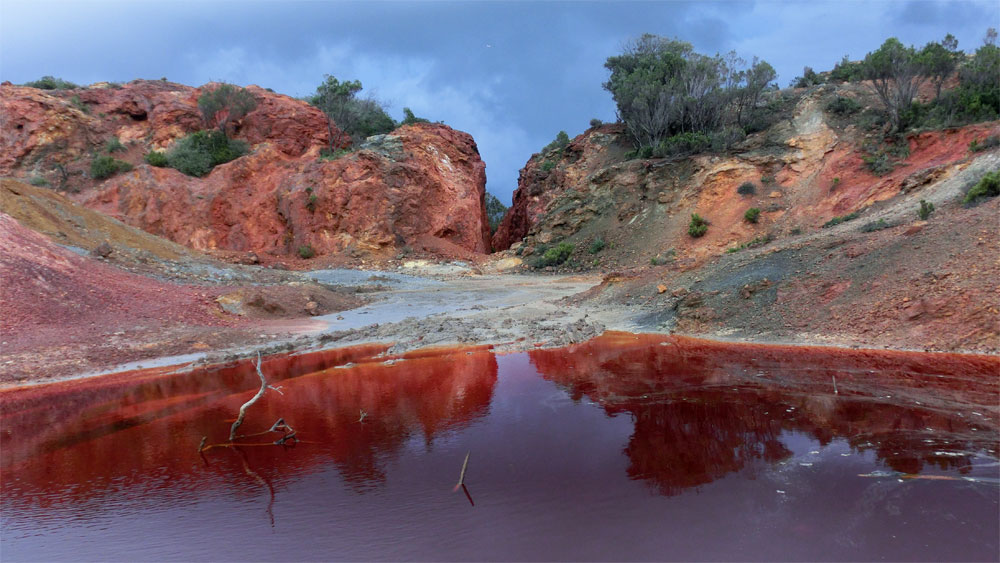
<point x="835" y="253"/>
<point x="420" y="188"/>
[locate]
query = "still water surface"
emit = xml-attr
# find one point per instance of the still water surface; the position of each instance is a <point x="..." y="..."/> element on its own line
<point x="625" y="447"/>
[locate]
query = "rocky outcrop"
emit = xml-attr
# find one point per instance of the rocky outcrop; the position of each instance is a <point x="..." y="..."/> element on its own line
<point x="48" y="129"/>
<point x="547" y="176"/>
<point x="422" y="187"/>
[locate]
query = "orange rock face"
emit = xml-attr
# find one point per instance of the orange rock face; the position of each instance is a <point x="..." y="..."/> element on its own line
<point x="428" y="194"/>
<point x="421" y="187"/>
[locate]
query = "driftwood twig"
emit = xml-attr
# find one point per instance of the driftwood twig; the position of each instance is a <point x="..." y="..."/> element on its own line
<point x="461" y="476"/>
<point x="248" y="404"/>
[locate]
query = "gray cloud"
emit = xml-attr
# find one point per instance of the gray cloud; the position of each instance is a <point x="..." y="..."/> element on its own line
<point x="512" y="74"/>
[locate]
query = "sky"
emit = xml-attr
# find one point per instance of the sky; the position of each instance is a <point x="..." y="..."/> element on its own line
<point x="513" y="74"/>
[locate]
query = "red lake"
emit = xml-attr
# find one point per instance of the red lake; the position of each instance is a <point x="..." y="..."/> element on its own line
<point x="627" y="447"/>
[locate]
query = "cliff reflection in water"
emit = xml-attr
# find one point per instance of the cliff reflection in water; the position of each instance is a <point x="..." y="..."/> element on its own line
<point x="84" y="437"/>
<point x="702" y="410"/>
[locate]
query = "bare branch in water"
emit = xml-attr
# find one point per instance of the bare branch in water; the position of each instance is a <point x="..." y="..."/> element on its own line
<point x="461" y="477"/>
<point x="248" y="404"/>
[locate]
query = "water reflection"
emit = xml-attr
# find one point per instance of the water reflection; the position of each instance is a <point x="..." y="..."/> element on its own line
<point x="83" y="437"/>
<point x="702" y="410"/>
<point x="109" y="468"/>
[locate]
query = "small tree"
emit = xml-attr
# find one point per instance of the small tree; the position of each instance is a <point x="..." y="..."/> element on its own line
<point x="353" y="117"/>
<point x="940" y="60"/>
<point x="334" y="98"/>
<point x="409" y="118"/>
<point x="896" y="73"/>
<point x="224" y="105"/>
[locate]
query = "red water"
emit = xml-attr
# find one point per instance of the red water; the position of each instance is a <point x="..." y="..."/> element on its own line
<point x="626" y="447"/>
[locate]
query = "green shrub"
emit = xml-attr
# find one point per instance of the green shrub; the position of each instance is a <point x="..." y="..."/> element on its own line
<point x="105" y="166"/>
<point x="841" y="219"/>
<point x="752" y="215"/>
<point x="78" y="104"/>
<point x="410" y="119"/>
<point x="843" y="106"/>
<point x="661" y="260"/>
<point x="698" y="226"/>
<point x="311" y="202"/>
<point x="875" y="226"/>
<point x="38" y="181"/>
<point x="988" y="186"/>
<point x="306" y="252"/>
<point x="114" y="145"/>
<point x="596" y="123"/>
<point x="846" y="71"/>
<point x="689" y="142"/>
<point x="747" y="188"/>
<point x="51" y="83"/>
<point x="925" y="210"/>
<point x="883" y="159"/>
<point x="767" y="180"/>
<point x="495" y="210"/>
<point x="156" y="158"/>
<point x="197" y="153"/>
<point x="987" y="143"/>
<point x="597" y="246"/>
<point x="326" y="155"/>
<point x="555" y="255"/>
<point x="759" y="241"/>
<point x="561" y="141"/>
<point x="548" y="165"/>
<point x="835" y="183"/>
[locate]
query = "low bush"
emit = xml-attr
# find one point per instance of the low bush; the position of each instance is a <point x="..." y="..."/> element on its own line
<point x="114" y="145"/>
<point x="597" y="246"/>
<point x="326" y="155"/>
<point x="875" y="226"/>
<point x="51" y="83"/>
<point x="768" y="180"/>
<point x="410" y="119"/>
<point x="156" y="158"/>
<point x="843" y="106"/>
<point x="752" y="215"/>
<point x="985" y="144"/>
<point x="38" y="181"/>
<point x="663" y="259"/>
<point x="306" y="252"/>
<point x="925" y="210"/>
<point x="198" y="153"/>
<point x="560" y="142"/>
<point x="78" y="104"/>
<point x="988" y="186"/>
<point x="548" y="165"/>
<point x="596" y="122"/>
<point x="759" y="241"/>
<point x="747" y="188"/>
<point x="841" y="219"/>
<point x="883" y="159"/>
<point x="555" y="255"/>
<point x="698" y="226"/>
<point x="105" y="166"/>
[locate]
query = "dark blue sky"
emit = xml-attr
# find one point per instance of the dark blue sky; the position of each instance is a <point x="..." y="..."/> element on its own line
<point x="510" y="73"/>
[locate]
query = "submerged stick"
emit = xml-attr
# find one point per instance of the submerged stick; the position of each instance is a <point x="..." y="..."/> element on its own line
<point x="834" y="384"/>
<point x="248" y="404"/>
<point x="461" y="477"/>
